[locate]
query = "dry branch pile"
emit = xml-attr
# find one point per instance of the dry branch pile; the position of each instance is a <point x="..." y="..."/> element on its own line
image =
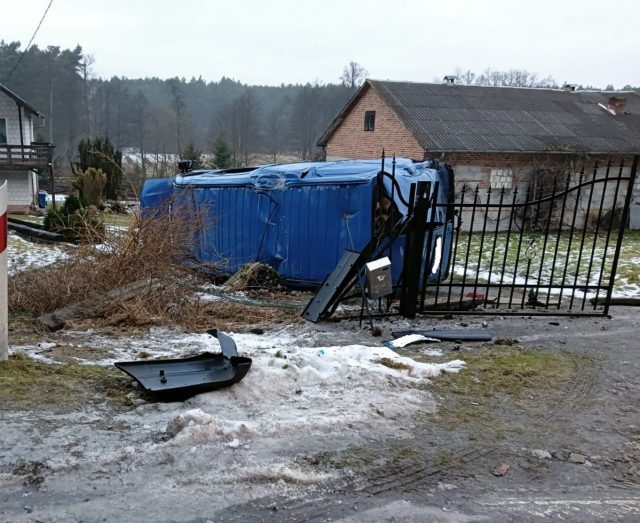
<point x="255" y="278"/>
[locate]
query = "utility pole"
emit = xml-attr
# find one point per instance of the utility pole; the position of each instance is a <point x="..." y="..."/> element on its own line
<point x="4" y="296"/>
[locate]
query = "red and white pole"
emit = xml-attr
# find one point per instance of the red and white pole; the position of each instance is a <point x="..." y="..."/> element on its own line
<point x="4" y="311"/>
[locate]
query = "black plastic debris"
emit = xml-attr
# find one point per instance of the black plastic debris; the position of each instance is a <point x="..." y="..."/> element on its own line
<point x="184" y="377"/>
<point x="449" y="334"/>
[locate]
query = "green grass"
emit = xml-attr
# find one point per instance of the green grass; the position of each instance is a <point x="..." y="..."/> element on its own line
<point x="498" y="369"/>
<point x="119" y="220"/>
<point x="27" y="218"/>
<point x="27" y="384"/>
<point x="495" y="376"/>
<point x="533" y="258"/>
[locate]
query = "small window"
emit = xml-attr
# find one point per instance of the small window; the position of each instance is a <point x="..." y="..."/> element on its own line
<point x="501" y="179"/>
<point x="369" y="120"/>
<point x="3" y="130"/>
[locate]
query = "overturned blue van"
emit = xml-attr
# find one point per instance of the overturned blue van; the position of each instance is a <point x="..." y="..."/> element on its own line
<point x="299" y="218"/>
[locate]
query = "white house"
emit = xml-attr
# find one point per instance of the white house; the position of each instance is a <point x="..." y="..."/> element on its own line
<point x="21" y="157"/>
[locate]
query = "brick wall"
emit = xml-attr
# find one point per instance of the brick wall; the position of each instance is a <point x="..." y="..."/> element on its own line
<point x="517" y="171"/>
<point x="350" y="140"/>
<point x="475" y="168"/>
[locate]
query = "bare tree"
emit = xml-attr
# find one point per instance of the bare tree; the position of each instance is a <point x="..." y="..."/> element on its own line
<point x="240" y="122"/>
<point x="353" y="75"/>
<point x="86" y="73"/>
<point x="513" y="78"/>
<point x="306" y="119"/>
<point x="140" y="108"/>
<point x="276" y="127"/>
<point x="465" y="77"/>
<point x="177" y="97"/>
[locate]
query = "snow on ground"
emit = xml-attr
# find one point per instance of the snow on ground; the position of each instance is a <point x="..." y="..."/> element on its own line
<point x="294" y="380"/>
<point x="623" y="288"/>
<point x="302" y="392"/>
<point x="550" y="260"/>
<point x="296" y="387"/>
<point x="23" y="255"/>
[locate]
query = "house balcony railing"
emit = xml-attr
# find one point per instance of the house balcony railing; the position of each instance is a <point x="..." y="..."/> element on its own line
<point x="36" y="155"/>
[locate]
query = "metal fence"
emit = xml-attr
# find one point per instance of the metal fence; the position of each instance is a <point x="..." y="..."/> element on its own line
<point x="551" y="247"/>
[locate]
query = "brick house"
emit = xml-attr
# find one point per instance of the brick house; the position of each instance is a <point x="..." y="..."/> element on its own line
<point x="492" y="136"/>
<point x="21" y="157"/>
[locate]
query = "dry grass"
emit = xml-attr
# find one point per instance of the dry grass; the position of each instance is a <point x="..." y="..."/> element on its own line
<point x="149" y="249"/>
<point x="255" y="278"/>
<point x="192" y="314"/>
<point x="155" y="249"/>
<point x="392" y="364"/>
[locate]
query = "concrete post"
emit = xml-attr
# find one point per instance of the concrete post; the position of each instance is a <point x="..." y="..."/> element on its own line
<point x="4" y="314"/>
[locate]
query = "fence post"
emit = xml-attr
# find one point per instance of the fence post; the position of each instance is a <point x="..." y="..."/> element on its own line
<point x="4" y="315"/>
<point x="414" y="247"/>
<point x="623" y="223"/>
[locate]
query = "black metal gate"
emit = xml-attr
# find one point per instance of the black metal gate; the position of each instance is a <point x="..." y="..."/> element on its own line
<point x="551" y="247"/>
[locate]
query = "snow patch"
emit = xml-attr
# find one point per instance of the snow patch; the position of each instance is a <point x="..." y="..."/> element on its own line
<point x="324" y="389"/>
<point x="195" y="426"/>
<point x="23" y="255"/>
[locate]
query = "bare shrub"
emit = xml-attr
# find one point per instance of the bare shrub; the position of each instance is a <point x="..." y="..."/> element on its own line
<point x="153" y="248"/>
<point x="157" y="249"/>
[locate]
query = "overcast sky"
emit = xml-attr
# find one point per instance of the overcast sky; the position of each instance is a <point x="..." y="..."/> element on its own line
<point x="290" y="41"/>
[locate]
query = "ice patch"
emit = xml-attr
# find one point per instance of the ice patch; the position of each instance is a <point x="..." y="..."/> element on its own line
<point x="276" y="473"/>
<point x="195" y="426"/>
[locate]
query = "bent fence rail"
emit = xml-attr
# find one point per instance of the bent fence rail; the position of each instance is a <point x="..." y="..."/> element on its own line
<point x="547" y="248"/>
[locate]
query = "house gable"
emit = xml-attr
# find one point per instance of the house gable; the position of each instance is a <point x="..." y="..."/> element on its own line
<point x="9" y="113"/>
<point x="349" y="139"/>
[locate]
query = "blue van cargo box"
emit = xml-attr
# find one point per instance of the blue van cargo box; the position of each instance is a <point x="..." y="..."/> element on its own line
<point x="298" y="218"/>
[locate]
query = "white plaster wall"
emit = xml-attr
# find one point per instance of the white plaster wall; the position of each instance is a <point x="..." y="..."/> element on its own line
<point x="9" y="110"/>
<point x="19" y="187"/>
<point x="27" y="127"/>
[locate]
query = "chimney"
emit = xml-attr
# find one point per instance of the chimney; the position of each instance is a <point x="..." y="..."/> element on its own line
<point x="450" y="80"/>
<point x="616" y="105"/>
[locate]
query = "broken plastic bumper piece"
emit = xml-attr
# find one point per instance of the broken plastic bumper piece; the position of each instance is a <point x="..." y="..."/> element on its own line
<point x="184" y="377"/>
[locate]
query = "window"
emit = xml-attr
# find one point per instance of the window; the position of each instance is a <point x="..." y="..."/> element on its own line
<point x="3" y="130"/>
<point x="369" y="120"/>
<point x="501" y="179"/>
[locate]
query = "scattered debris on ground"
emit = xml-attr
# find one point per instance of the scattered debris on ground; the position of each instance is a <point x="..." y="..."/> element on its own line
<point x="180" y="378"/>
<point x="255" y="278"/>
<point x="500" y="470"/>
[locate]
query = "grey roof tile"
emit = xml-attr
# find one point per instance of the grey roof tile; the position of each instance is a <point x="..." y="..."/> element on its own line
<point x="503" y="119"/>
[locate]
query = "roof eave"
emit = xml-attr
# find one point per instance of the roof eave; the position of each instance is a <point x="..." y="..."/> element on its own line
<point x="324" y="139"/>
<point x="20" y="101"/>
<point x="539" y="151"/>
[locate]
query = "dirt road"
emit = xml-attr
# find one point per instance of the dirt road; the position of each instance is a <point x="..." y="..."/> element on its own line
<point x="543" y="427"/>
